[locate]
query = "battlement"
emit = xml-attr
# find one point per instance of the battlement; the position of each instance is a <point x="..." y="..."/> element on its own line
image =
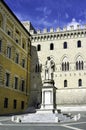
<point x="58" y="29"/>
<point x="65" y="33"/>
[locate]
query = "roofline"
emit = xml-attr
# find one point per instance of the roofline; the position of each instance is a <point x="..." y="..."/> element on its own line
<point x="3" y="2"/>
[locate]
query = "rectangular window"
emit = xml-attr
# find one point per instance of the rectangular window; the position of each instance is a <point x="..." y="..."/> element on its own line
<point x="23" y="63"/>
<point x="17" y="58"/>
<point x="16" y="83"/>
<point x="22" y="104"/>
<point x="6" y="103"/>
<point x="9" y="33"/>
<point x="9" y="52"/>
<point x="7" y="79"/>
<point x="0" y="45"/>
<point x="22" y="85"/>
<point x="65" y="83"/>
<point x="15" y="104"/>
<point x="17" y="41"/>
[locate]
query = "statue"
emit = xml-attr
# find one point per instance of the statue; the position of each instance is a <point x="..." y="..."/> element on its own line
<point x="49" y="68"/>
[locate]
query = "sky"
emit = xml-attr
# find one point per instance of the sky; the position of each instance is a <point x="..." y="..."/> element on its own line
<point x="50" y="13"/>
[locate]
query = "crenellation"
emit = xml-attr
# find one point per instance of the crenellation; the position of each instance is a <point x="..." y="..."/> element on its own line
<point x="78" y="26"/>
<point x="58" y="29"/>
<point x="51" y="30"/>
<point x="38" y="31"/>
<point x="59" y="35"/>
<point x="71" y="27"/>
<point x="45" y="30"/>
<point x="65" y="28"/>
<point x="32" y="32"/>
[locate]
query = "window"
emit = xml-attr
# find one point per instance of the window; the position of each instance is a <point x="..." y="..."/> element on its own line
<point x="22" y="85"/>
<point x="14" y="103"/>
<point x="65" y="45"/>
<point x="17" y="58"/>
<point x="38" y="47"/>
<point x="79" y="43"/>
<point x="65" y="83"/>
<point x="17" y="41"/>
<point x="0" y="45"/>
<point x="38" y="68"/>
<point x="79" y="65"/>
<point x="7" y="79"/>
<point x="51" y="46"/>
<point x="5" y="102"/>
<point x="65" y="66"/>
<point x="22" y="104"/>
<point x="23" y="46"/>
<point x="23" y="63"/>
<point x="80" y="82"/>
<point x="16" y="83"/>
<point x="9" y="33"/>
<point x="9" y="52"/>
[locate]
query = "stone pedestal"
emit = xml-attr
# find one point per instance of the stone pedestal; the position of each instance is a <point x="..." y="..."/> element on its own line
<point x="48" y="95"/>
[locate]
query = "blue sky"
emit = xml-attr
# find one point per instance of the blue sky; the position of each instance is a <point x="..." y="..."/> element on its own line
<point x="49" y="13"/>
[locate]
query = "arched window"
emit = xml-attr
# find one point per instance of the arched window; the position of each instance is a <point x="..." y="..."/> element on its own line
<point x="80" y="82"/>
<point x="51" y="46"/>
<point x="65" y="83"/>
<point x="62" y="66"/>
<point x="79" y="63"/>
<point x="65" y="45"/>
<point x="65" y="64"/>
<point x="79" y="43"/>
<point x="38" y="68"/>
<point x="38" y="47"/>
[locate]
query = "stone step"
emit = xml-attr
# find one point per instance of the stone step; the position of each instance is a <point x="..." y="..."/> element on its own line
<point x="47" y="117"/>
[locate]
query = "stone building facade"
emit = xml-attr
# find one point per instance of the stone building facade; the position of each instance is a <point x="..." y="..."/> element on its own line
<point x="14" y="63"/>
<point x="67" y="49"/>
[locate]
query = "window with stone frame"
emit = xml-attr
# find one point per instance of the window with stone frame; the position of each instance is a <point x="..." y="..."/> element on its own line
<point x="22" y="85"/>
<point x="79" y="63"/>
<point x="79" y="44"/>
<point x="65" y="64"/>
<point x="65" y="45"/>
<point x="7" y="83"/>
<point x="80" y="82"/>
<point x="38" y="47"/>
<point x="51" y="46"/>
<point x="16" y="82"/>
<point x="0" y="45"/>
<point x="65" y="83"/>
<point x="23" y="63"/>
<point x="38" y="68"/>
<point x="22" y="104"/>
<point x="14" y="103"/>
<point x="5" y="102"/>
<point x="9" y="52"/>
<point x="17" y="58"/>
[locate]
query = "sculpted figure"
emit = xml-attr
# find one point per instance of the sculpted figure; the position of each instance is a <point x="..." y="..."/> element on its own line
<point x="49" y="68"/>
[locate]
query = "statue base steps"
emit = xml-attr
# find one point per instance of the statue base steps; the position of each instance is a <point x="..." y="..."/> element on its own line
<point x="45" y="116"/>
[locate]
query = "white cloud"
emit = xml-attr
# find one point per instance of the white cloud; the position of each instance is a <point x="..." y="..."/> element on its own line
<point x="74" y="23"/>
<point x="66" y="15"/>
<point x="44" y="22"/>
<point x="19" y="16"/>
<point x="45" y="10"/>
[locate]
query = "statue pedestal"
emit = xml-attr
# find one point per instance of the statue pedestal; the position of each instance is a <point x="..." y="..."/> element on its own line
<point x="48" y="95"/>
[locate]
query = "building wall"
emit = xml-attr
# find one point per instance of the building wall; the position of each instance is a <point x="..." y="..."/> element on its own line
<point x="14" y="63"/>
<point x="73" y="93"/>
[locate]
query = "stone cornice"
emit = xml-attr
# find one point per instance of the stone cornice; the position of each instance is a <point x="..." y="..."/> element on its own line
<point x="62" y="34"/>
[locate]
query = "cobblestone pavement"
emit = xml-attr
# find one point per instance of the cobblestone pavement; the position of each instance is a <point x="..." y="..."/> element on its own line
<point x="6" y="124"/>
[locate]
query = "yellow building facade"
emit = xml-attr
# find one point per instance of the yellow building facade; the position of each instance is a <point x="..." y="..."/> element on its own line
<point x="14" y="63"/>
